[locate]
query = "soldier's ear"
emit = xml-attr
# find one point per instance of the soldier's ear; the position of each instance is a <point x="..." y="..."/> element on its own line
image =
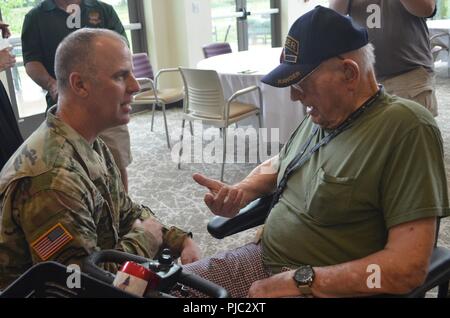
<point x="78" y="85"/>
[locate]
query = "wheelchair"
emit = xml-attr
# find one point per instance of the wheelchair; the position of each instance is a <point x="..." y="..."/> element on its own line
<point x="49" y="279"/>
<point x="256" y="212"/>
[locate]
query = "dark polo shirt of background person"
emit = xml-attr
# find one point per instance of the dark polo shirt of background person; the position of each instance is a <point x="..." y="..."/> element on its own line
<point x="45" y="26"/>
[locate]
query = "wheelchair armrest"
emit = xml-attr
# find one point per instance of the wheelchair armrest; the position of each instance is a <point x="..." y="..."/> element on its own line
<point x="252" y="215"/>
<point x="438" y="274"/>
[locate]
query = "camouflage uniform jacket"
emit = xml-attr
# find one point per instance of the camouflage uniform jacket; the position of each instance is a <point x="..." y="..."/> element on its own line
<point x="61" y="198"/>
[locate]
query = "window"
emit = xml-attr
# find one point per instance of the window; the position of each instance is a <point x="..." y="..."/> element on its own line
<point x="245" y="24"/>
<point x="443" y="10"/>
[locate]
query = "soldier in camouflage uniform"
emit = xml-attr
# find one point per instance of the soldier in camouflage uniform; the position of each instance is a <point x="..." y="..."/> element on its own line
<point x="61" y="197"/>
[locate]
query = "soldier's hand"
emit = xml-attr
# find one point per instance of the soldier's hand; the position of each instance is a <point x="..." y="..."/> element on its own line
<point x="222" y="199"/>
<point x="191" y="251"/>
<point x="151" y="226"/>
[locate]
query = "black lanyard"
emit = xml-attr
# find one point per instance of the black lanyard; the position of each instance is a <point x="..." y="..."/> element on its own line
<point x="300" y="160"/>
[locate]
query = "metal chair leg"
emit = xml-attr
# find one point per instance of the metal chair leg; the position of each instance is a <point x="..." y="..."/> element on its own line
<point x="191" y="129"/>
<point x="165" y="125"/>
<point x="258" y="138"/>
<point x="153" y="115"/>
<point x="180" y="153"/>
<point x="224" y="152"/>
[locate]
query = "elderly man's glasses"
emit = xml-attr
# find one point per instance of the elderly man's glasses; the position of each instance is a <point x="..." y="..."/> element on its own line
<point x="298" y="85"/>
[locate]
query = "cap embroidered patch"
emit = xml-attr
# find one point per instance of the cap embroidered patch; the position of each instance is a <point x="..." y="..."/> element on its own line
<point x="291" y="48"/>
<point x="51" y="241"/>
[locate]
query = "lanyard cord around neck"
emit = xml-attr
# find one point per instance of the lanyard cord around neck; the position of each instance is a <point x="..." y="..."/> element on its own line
<point x="300" y="160"/>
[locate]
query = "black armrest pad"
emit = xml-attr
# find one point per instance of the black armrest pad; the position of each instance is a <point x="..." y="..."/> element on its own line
<point x="252" y="215"/>
<point x="438" y="274"/>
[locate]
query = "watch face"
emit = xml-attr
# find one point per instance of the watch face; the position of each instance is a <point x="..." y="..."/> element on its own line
<point x="304" y="275"/>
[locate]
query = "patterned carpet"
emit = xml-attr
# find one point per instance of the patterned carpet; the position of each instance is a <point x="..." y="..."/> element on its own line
<point x="171" y="193"/>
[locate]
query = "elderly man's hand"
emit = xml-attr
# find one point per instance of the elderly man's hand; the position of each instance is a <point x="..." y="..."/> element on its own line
<point x="5" y="30"/>
<point x="152" y="226"/>
<point x="191" y="251"/>
<point x="223" y="200"/>
<point x="279" y="285"/>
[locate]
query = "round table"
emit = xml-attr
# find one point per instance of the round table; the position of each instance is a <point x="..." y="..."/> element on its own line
<point x="246" y="68"/>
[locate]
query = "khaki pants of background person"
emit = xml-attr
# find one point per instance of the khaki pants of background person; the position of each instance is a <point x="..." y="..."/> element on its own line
<point x="416" y="85"/>
<point x="118" y="141"/>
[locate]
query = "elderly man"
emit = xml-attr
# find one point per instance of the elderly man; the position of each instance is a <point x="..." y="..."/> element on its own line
<point x="44" y="27"/>
<point x="60" y="195"/>
<point x="359" y="186"/>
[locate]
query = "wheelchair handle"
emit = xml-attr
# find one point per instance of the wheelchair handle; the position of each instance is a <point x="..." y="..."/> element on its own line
<point x="90" y="266"/>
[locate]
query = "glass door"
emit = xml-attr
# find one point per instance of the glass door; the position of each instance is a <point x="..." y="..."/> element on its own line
<point x="246" y="24"/>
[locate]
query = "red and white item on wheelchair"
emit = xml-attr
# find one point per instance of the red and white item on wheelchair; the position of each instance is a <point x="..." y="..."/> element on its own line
<point x="135" y="279"/>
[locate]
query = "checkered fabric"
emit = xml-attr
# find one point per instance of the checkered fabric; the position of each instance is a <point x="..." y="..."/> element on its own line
<point x="234" y="270"/>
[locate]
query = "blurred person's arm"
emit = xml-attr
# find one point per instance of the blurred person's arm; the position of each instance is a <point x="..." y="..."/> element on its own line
<point x="5" y="30"/>
<point x="39" y="74"/>
<point x="7" y="59"/>
<point x="33" y="55"/>
<point x="420" y="8"/>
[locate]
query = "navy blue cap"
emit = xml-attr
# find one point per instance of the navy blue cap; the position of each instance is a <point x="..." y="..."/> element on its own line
<point x="316" y="36"/>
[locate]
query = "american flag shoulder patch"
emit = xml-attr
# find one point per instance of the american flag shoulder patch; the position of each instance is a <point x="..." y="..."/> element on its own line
<point x="51" y="241"/>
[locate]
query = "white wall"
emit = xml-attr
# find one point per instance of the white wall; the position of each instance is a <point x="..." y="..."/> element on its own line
<point x="197" y="29"/>
<point x="176" y="31"/>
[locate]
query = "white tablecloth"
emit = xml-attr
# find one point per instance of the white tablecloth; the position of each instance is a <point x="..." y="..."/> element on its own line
<point x="246" y="68"/>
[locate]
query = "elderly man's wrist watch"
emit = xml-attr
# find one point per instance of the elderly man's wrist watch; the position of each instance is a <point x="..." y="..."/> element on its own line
<point x="304" y="278"/>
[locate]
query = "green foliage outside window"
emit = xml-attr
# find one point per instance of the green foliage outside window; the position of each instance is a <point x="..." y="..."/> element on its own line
<point x="443" y="9"/>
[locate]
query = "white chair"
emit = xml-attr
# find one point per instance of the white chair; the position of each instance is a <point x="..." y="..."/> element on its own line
<point x="204" y="100"/>
<point x="149" y="93"/>
<point x="440" y="42"/>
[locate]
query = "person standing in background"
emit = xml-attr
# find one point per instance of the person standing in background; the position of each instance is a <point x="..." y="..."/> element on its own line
<point x="10" y="135"/>
<point x="398" y="30"/>
<point x="44" y="27"/>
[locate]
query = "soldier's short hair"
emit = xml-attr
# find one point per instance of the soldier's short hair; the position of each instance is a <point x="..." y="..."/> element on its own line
<point x="75" y="53"/>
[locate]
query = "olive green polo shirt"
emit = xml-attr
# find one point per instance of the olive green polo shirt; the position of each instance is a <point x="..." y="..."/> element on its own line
<point x="387" y="169"/>
<point x="45" y="26"/>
